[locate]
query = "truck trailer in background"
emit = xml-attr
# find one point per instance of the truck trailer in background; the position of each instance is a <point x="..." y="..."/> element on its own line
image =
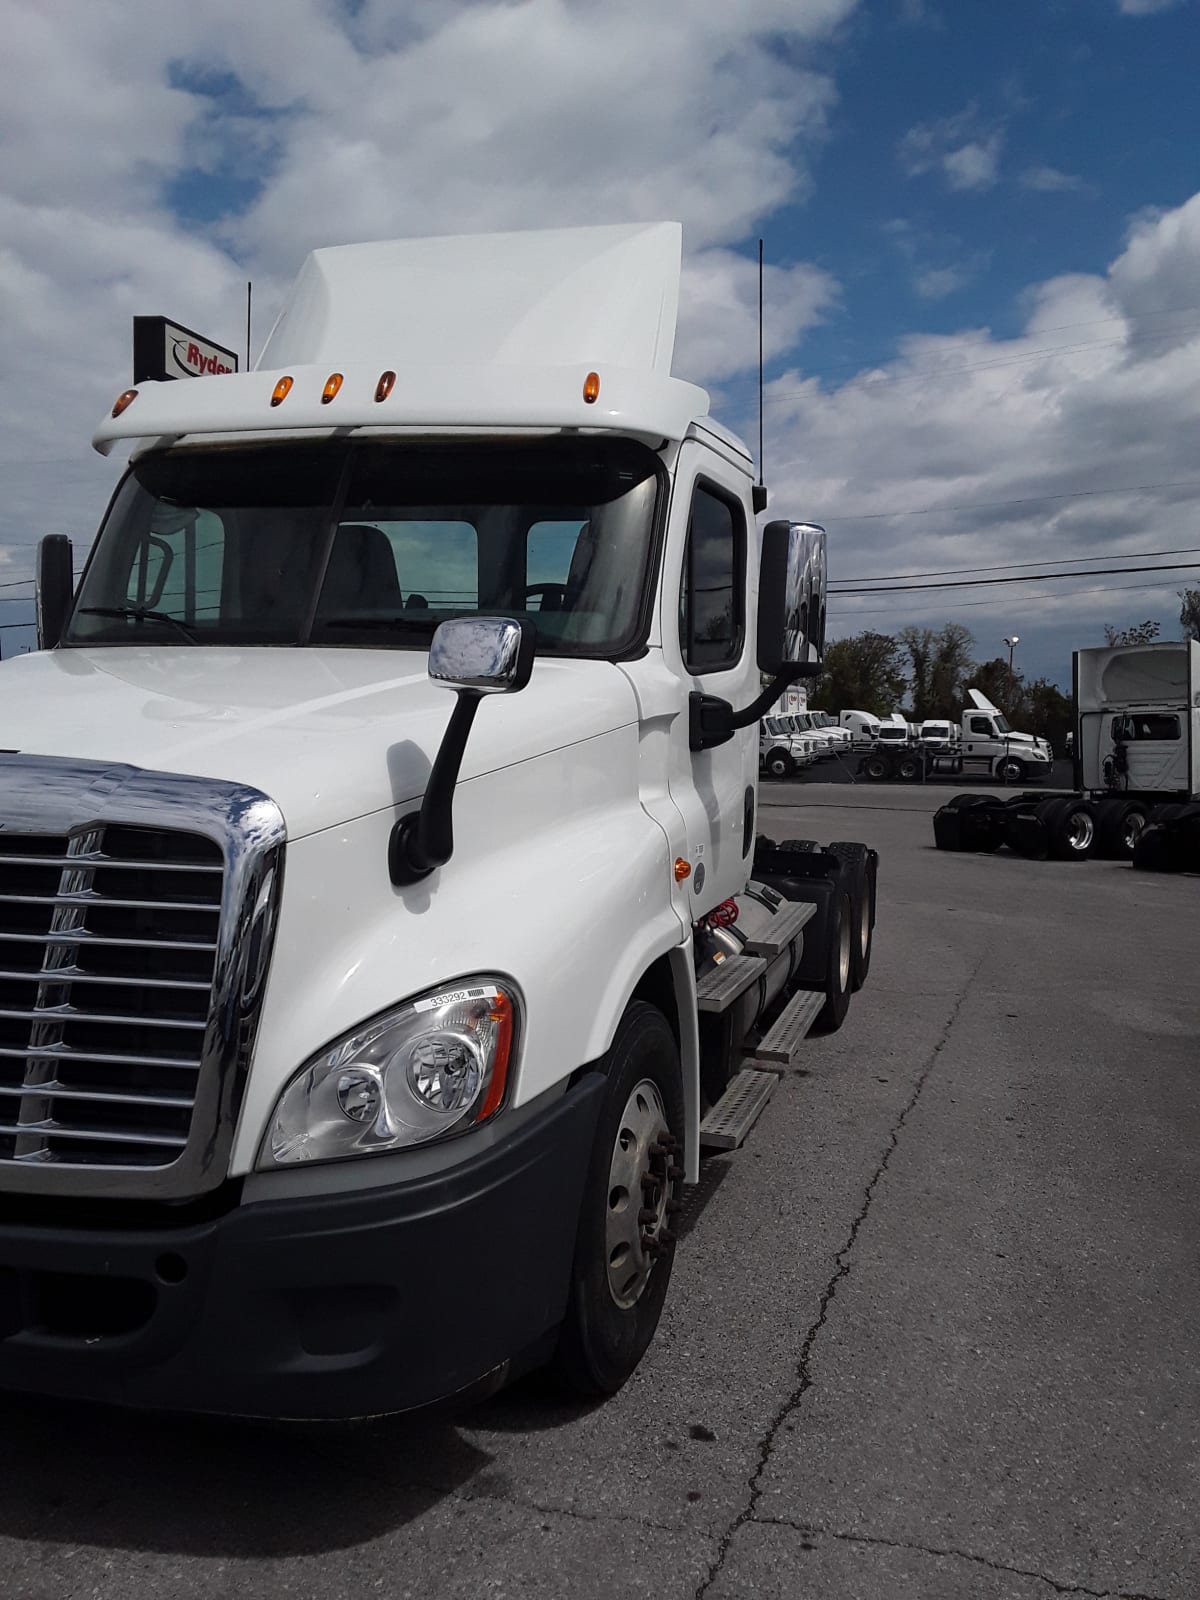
<point x="1136" y="750"/>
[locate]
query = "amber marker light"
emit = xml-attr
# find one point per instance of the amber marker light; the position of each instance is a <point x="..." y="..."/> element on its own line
<point x="386" y="384"/>
<point x="502" y="1015"/>
<point x="591" y="388"/>
<point x="123" y="401"/>
<point x="683" y="869"/>
<point x="281" y="391"/>
<point x="332" y="384"/>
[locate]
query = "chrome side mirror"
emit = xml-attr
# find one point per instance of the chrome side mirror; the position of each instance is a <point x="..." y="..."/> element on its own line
<point x="791" y="597"/>
<point x="473" y="656"/>
<point x="487" y="655"/>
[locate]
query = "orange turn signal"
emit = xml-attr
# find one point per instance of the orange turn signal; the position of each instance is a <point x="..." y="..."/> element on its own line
<point x="591" y="388"/>
<point x="124" y="400"/>
<point x="683" y="869"/>
<point x="332" y="384"/>
<point x="502" y="1015"/>
<point x="281" y="391"/>
<point x="385" y="385"/>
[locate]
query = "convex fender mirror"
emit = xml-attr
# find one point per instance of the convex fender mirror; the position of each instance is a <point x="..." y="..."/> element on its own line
<point x="475" y="656"/>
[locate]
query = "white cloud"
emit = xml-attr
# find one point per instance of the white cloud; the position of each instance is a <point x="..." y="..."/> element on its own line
<point x="973" y="166"/>
<point x="1073" y="439"/>
<point x="1050" y="180"/>
<point x="718" y="323"/>
<point x="960" y="147"/>
<point x="1143" y="8"/>
<point x="416" y="119"/>
<point x="935" y="283"/>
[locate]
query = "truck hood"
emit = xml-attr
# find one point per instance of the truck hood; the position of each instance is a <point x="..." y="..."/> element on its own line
<point x="328" y="734"/>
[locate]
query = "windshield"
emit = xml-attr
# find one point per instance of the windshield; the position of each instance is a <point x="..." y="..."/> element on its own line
<point x="773" y="727"/>
<point x="374" y="544"/>
<point x="1001" y="724"/>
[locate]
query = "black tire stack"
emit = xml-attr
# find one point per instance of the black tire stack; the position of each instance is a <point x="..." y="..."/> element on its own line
<point x="1073" y="828"/>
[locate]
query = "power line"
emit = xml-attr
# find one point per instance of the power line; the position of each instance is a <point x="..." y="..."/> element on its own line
<point x="1033" y="577"/>
<point x="1024" y="600"/>
<point x="1011" y="566"/>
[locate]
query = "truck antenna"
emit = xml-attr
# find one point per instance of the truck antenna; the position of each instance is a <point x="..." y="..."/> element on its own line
<point x="760" y="362"/>
<point x="249" y="289"/>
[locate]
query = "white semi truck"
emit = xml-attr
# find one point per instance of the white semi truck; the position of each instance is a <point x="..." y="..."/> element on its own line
<point x="383" y="929"/>
<point x="1136" y="751"/>
<point x="986" y="745"/>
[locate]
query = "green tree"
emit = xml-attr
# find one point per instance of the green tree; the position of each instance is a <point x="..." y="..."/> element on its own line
<point x="862" y="673"/>
<point x="1141" y="633"/>
<point x="1189" y="613"/>
<point x="1047" y="713"/>
<point x="938" y="662"/>
<point x="991" y="679"/>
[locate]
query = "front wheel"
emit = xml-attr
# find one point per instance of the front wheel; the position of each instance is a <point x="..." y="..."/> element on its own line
<point x="1011" y="770"/>
<point x="779" y="764"/>
<point x="625" y="1245"/>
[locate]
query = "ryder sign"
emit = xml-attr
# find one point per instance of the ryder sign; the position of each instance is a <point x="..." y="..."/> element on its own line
<point x="163" y="349"/>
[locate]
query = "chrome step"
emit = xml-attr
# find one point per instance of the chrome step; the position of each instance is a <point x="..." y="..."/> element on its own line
<point x="773" y="933"/>
<point x="721" y="985"/>
<point x="780" y="1045"/>
<point x="738" y="1109"/>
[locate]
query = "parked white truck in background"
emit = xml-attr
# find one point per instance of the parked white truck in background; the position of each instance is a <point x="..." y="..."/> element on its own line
<point x="356" y="1040"/>
<point x="863" y="727"/>
<point x="984" y="744"/>
<point x="1136" y="752"/>
<point x="783" y="753"/>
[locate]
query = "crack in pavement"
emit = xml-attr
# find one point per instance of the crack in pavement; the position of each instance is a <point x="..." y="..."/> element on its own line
<point x="841" y="1268"/>
<point x="1056" y="1584"/>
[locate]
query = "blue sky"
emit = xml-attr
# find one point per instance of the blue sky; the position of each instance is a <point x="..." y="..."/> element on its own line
<point x="1096" y="107"/>
<point x="982" y="225"/>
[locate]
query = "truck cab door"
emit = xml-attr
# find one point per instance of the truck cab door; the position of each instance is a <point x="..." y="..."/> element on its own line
<point x="710" y="587"/>
<point x="979" y="737"/>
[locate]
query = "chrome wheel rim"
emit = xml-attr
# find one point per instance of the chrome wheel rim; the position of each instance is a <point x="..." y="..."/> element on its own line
<point x="1081" y="830"/>
<point x="640" y="1180"/>
<point x="1134" y="823"/>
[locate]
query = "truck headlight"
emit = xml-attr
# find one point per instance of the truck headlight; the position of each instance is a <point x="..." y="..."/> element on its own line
<point x="434" y="1066"/>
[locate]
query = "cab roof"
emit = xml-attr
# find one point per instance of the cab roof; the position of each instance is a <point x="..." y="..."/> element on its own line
<point x="477" y="331"/>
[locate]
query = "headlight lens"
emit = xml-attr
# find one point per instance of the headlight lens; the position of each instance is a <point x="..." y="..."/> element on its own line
<point x="432" y="1067"/>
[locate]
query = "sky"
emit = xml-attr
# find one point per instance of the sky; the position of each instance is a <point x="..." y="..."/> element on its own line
<point x="981" y="222"/>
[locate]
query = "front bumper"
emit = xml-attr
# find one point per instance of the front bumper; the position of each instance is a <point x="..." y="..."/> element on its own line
<point x="340" y="1305"/>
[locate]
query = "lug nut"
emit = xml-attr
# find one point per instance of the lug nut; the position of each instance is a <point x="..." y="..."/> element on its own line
<point x="647" y="1216"/>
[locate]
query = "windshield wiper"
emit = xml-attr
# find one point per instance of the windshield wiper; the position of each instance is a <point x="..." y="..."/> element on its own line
<point x="139" y="614"/>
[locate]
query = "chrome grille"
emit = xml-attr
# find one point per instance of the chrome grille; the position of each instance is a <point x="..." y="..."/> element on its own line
<point x="108" y="943"/>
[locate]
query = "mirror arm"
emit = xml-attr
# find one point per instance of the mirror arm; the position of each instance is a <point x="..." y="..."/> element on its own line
<point x="713" y="721"/>
<point x="423" y="840"/>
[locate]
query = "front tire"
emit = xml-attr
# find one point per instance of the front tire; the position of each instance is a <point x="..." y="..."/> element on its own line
<point x="779" y="764"/>
<point x="1010" y="770"/>
<point x="625" y="1246"/>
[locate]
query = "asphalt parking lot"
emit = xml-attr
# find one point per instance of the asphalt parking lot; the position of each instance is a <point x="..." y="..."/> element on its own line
<point x="932" y="1332"/>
